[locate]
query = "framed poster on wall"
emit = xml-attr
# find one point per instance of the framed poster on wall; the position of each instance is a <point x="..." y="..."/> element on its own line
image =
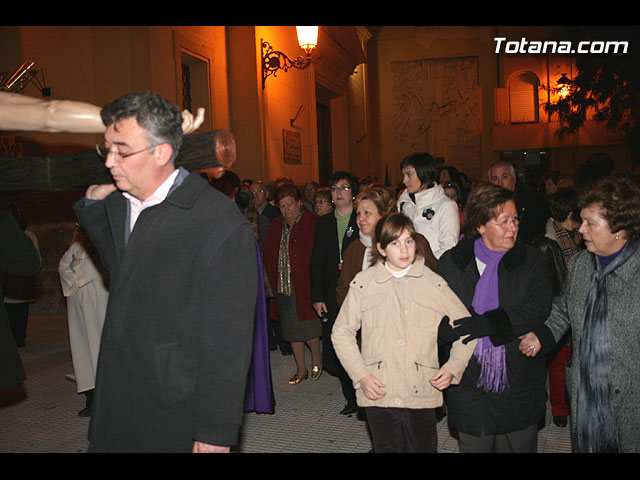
<point x="292" y="146"/>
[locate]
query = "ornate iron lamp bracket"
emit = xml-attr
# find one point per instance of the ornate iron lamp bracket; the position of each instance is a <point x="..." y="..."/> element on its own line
<point x="274" y="60"/>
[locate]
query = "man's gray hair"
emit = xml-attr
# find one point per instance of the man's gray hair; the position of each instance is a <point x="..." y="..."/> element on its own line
<point x="161" y="119"/>
<point x="502" y="163"/>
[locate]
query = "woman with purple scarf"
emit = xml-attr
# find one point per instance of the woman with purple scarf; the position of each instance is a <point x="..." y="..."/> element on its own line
<point x="506" y="286"/>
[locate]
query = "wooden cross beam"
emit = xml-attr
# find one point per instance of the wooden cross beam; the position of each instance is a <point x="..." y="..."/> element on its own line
<point x="199" y="151"/>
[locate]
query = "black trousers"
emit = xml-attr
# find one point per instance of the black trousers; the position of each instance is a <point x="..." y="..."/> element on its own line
<point x="331" y="364"/>
<point x="18" y="316"/>
<point x="519" y="441"/>
<point x="403" y="430"/>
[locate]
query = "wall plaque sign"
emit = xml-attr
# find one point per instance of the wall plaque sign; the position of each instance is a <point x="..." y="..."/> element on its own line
<point x="292" y="146"/>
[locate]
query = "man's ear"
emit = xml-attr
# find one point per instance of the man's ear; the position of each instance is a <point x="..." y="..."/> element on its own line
<point x="162" y="153"/>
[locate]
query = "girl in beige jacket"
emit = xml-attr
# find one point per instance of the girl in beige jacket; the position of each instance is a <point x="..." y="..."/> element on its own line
<point x="400" y="305"/>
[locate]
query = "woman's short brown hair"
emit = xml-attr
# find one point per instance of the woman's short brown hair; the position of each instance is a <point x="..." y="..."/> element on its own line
<point x="287" y="190"/>
<point x="562" y="204"/>
<point x="618" y="197"/>
<point x="381" y="198"/>
<point x="483" y="204"/>
<point x="389" y="228"/>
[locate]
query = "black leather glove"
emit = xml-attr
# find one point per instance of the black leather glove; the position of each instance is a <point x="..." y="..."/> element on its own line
<point x="474" y="327"/>
<point x="446" y="333"/>
<point x="494" y="324"/>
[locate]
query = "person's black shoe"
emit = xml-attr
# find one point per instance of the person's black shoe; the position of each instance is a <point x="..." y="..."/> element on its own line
<point x="349" y="410"/>
<point x="286" y="351"/>
<point x="85" y="412"/>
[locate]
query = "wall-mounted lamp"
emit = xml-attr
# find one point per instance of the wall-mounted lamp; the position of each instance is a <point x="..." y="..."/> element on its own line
<point x="273" y="60"/>
<point x="564" y="86"/>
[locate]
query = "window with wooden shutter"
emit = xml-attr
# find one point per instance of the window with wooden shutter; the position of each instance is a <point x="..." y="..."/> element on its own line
<point x="523" y="98"/>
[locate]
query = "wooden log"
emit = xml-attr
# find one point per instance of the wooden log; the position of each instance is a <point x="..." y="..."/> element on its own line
<point x="199" y="151"/>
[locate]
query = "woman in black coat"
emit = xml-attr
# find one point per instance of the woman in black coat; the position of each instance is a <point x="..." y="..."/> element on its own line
<point x="506" y="285"/>
<point x="334" y="233"/>
<point x="18" y="257"/>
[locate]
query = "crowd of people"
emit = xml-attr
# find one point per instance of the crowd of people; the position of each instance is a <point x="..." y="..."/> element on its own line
<point x="503" y="249"/>
<point x="442" y="292"/>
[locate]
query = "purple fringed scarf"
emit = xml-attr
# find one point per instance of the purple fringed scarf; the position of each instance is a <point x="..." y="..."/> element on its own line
<point x="493" y="373"/>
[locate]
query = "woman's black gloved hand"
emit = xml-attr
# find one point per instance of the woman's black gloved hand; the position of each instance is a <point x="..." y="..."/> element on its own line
<point x="446" y="333"/>
<point x="475" y="326"/>
<point x="494" y="324"/>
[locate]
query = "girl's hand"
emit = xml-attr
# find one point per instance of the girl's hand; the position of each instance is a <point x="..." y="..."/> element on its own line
<point x="442" y="379"/>
<point x="372" y="387"/>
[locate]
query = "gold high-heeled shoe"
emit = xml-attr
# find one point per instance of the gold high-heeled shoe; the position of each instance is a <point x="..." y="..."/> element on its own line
<point x="316" y="371"/>
<point x="296" y="379"/>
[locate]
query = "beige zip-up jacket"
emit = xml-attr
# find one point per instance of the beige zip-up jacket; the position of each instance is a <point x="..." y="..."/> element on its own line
<point x="399" y="319"/>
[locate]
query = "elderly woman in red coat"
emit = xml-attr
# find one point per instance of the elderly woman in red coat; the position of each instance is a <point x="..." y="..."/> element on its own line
<point x="287" y="256"/>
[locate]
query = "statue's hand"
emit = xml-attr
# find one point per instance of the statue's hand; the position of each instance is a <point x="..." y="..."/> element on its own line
<point x="191" y="123"/>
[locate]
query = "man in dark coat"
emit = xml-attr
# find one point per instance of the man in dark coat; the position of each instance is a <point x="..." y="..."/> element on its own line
<point x="177" y="338"/>
<point x="532" y="208"/>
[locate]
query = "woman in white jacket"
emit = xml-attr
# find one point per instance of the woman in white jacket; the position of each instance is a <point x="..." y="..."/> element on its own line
<point x="434" y="214"/>
<point x="83" y="283"/>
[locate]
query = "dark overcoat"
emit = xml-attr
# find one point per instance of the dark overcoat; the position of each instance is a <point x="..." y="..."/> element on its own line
<point x="18" y="257"/>
<point x="533" y="212"/>
<point x="325" y="270"/>
<point x="525" y="295"/>
<point x="325" y="259"/>
<point x="177" y="339"/>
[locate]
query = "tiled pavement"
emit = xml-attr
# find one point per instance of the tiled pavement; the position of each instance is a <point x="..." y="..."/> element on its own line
<point x="40" y="416"/>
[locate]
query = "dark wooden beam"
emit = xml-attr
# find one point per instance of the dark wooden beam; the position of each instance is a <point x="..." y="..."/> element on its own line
<point x="199" y="151"/>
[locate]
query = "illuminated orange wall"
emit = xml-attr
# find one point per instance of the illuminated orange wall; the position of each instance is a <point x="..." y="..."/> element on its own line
<point x="282" y="97"/>
<point x="259" y="116"/>
<point x="96" y="64"/>
<point x="407" y="43"/>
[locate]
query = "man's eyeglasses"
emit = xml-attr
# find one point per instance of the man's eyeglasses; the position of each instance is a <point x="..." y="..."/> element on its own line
<point x="105" y="151"/>
<point x="335" y="188"/>
<point x="515" y="220"/>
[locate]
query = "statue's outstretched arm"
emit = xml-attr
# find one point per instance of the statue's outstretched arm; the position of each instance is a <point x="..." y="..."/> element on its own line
<point x="24" y="113"/>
